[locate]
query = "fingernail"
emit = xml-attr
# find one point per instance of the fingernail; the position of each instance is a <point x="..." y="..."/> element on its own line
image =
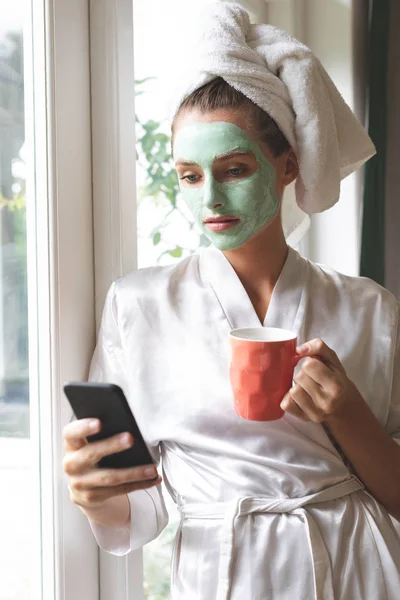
<point x="94" y="424"/>
<point x="150" y="472"/>
<point x="303" y="348"/>
<point x="125" y="439"/>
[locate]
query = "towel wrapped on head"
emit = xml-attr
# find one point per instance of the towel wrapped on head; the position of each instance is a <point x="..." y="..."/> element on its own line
<point x="284" y="78"/>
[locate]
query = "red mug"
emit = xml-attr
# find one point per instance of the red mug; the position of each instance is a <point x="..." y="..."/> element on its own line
<point x="261" y="370"/>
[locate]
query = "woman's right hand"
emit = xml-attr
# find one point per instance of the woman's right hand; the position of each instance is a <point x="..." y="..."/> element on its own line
<point x="90" y="486"/>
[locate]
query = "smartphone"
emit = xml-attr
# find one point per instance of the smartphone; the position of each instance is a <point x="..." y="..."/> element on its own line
<point x="107" y="402"/>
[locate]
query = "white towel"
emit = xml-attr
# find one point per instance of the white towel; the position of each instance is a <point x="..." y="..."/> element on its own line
<point x="284" y="78"/>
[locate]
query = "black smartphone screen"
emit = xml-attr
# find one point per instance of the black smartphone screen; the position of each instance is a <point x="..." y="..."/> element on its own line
<point x="107" y="402"/>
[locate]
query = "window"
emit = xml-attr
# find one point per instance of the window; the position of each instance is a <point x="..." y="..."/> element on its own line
<point x="13" y="298"/>
<point x="19" y="541"/>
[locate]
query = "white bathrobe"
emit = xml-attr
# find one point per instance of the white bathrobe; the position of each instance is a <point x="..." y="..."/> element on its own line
<point x="270" y="510"/>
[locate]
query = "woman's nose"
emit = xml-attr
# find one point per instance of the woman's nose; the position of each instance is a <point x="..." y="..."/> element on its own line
<point x="213" y="197"/>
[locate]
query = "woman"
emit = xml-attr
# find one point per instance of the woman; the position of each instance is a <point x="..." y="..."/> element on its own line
<point x="283" y="510"/>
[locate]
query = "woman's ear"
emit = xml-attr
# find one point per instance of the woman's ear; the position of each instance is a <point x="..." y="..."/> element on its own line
<point x="291" y="168"/>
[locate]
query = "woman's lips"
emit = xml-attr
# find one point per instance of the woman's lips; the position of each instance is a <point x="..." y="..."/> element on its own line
<point x="221" y="223"/>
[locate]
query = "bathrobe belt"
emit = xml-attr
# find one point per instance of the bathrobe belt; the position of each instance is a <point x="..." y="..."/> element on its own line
<point x="230" y="511"/>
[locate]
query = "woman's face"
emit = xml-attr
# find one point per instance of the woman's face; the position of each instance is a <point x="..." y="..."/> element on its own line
<point x="231" y="182"/>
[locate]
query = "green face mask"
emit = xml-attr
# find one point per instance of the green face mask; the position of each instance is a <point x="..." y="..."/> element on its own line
<point x="253" y="199"/>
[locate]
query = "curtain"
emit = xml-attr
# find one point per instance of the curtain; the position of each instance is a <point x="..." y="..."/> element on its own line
<point x="392" y="205"/>
<point x="372" y="263"/>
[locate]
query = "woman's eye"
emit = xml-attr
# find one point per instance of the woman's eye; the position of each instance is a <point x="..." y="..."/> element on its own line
<point x="236" y="171"/>
<point x="190" y="178"/>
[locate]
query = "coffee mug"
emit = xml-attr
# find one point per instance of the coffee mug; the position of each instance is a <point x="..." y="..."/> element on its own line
<point x="261" y="370"/>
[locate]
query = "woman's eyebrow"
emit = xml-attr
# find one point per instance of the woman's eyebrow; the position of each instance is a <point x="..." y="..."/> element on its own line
<point x="232" y="153"/>
<point x="185" y="163"/>
<point x="225" y="156"/>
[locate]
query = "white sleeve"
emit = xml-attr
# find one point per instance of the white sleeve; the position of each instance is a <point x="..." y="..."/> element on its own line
<point x="148" y="512"/>
<point x="393" y="421"/>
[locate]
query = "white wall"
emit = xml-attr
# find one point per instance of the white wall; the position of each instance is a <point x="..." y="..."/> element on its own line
<point x="326" y="27"/>
<point x="334" y="238"/>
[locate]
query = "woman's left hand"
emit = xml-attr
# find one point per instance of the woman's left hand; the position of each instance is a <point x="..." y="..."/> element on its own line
<point x="322" y="389"/>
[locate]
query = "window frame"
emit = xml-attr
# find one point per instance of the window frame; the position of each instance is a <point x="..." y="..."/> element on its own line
<point x="114" y="204"/>
<point x="60" y="277"/>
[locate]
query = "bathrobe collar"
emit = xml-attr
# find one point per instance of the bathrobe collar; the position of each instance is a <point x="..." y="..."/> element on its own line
<point x="287" y="302"/>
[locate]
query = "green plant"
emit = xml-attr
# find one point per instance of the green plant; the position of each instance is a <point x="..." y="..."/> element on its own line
<point x="14" y="267"/>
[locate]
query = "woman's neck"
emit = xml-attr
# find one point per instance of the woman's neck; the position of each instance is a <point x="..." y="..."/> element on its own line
<point x="258" y="264"/>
